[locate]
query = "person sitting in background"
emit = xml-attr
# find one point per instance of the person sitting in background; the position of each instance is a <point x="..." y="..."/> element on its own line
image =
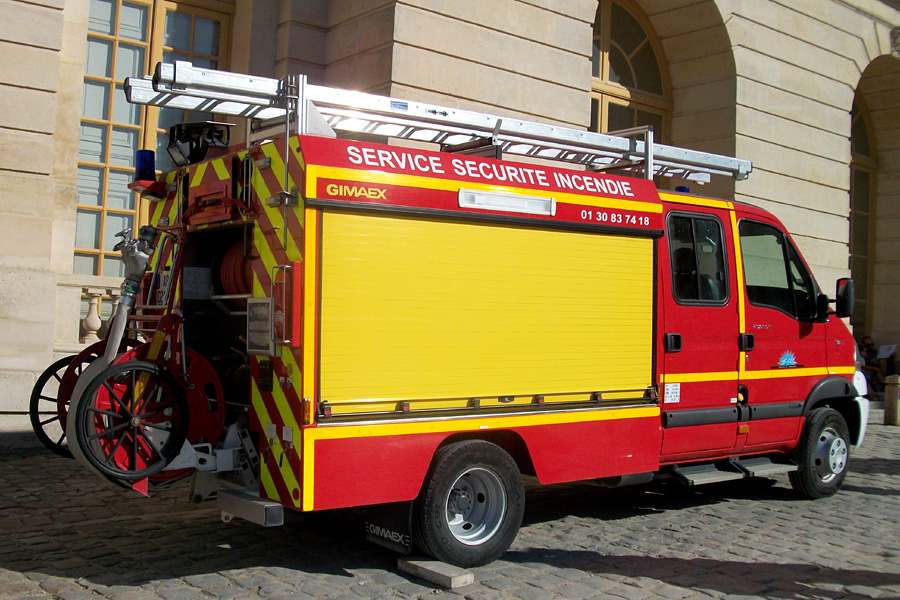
<point x="870" y="364"/>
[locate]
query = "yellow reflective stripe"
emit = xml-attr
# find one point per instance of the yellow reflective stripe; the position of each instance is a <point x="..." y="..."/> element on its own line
<point x="757" y="374"/>
<point x="476" y="424"/>
<point x="310" y="294"/>
<point x="741" y="300"/>
<point x="694" y="201"/>
<point x="298" y="154"/>
<point x="265" y="478"/>
<point x="197" y="173"/>
<point x="786" y="373"/>
<point x="265" y="252"/>
<point x="314" y="172"/>
<point x="221" y="169"/>
<point x="309" y="460"/>
<point x="699" y="377"/>
<point x="273" y="152"/>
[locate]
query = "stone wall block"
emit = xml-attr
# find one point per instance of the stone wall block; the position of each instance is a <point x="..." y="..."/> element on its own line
<point x="43" y="67"/>
<point x="687" y="128"/>
<point x="772" y="72"/>
<point x="25" y="241"/>
<point x="694" y="17"/>
<point x="475" y="44"/>
<point x="789" y="105"/>
<point x="783" y="188"/>
<point x="690" y="44"/>
<point x="786" y="132"/>
<point x="786" y="161"/>
<point x="15" y="390"/>
<point x="706" y="69"/>
<point x="349" y="39"/>
<point x="31" y="24"/>
<point x="802" y="51"/>
<point x="527" y="21"/>
<point x="28" y="110"/>
<point x="705" y="97"/>
<point x="25" y="152"/>
<point x="368" y="72"/>
<point x="340" y="12"/>
<point x="495" y="87"/>
<point x="27" y="310"/>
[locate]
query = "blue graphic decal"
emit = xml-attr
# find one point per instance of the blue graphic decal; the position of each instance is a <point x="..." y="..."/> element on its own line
<point x="787" y="360"/>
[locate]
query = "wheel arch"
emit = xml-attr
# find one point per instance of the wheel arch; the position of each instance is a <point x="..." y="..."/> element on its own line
<point x="510" y="441"/>
<point x="837" y="393"/>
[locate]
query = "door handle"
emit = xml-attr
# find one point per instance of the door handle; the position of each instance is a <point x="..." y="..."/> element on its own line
<point x="673" y="342"/>
<point x="746" y="342"/>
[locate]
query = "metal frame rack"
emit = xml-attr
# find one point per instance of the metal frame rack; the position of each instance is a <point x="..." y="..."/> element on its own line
<point x="322" y="111"/>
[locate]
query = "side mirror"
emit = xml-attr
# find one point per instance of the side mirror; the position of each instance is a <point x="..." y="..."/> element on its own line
<point x="845" y="297"/>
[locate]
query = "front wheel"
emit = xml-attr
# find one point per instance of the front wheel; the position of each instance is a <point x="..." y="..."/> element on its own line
<point x="471" y="506"/>
<point x="823" y="454"/>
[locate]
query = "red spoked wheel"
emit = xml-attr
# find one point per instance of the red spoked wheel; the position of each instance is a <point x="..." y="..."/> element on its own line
<point x="131" y="420"/>
<point x="52" y="392"/>
<point x="205" y="399"/>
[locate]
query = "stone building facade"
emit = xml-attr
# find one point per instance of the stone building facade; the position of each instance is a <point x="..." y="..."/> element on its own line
<point x="807" y="90"/>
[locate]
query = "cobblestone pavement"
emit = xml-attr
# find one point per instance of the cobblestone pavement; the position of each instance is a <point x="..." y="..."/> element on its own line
<point x="64" y="533"/>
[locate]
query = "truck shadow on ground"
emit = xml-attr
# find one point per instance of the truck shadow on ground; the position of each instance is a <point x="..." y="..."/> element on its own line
<point x="737" y="578"/>
<point x="549" y="503"/>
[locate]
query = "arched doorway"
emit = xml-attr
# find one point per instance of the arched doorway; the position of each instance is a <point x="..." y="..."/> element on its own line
<point x="863" y="179"/>
<point x="875" y="201"/>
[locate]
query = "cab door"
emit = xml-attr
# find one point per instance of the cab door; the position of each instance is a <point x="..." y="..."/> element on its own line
<point x="785" y="353"/>
<point x="699" y="351"/>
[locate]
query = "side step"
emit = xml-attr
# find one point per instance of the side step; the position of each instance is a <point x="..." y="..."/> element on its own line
<point x="760" y="466"/>
<point x="756" y="466"/>
<point x="707" y="473"/>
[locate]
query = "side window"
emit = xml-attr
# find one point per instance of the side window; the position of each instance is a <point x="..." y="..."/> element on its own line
<point x="773" y="272"/>
<point x="698" y="260"/>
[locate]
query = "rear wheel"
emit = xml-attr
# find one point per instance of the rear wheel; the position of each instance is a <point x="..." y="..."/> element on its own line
<point x="471" y="505"/>
<point x="823" y="454"/>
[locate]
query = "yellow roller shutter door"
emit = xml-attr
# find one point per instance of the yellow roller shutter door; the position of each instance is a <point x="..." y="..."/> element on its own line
<point x="430" y="310"/>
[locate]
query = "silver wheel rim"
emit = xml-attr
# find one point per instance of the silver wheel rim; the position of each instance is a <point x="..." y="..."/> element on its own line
<point x="831" y="455"/>
<point x="475" y="506"/>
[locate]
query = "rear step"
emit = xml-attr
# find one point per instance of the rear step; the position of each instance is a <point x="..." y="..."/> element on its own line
<point x="757" y="466"/>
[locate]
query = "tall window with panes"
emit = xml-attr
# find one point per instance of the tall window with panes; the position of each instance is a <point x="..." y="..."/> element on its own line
<point x="126" y="38"/>
<point x="630" y="84"/>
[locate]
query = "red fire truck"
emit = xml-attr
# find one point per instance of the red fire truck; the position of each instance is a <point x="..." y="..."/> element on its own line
<point x="320" y="321"/>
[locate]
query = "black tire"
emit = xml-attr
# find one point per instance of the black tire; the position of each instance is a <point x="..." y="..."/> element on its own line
<point x="43" y="410"/>
<point x="120" y="413"/>
<point x="481" y="485"/>
<point x="823" y="454"/>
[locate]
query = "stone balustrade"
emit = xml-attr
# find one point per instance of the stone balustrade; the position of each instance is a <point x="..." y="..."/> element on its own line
<point x="86" y="329"/>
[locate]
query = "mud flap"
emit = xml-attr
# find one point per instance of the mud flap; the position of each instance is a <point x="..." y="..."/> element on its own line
<point x="390" y="525"/>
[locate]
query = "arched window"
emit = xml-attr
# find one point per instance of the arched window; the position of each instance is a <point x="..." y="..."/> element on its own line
<point x="630" y="83"/>
<point x="862" y="212"/>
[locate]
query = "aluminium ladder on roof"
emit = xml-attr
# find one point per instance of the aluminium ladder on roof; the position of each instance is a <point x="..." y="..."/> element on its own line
<point x="321" y="110"/>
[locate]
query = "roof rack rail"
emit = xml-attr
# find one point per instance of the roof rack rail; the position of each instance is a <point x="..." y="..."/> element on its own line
<point x="322" y="110"/>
